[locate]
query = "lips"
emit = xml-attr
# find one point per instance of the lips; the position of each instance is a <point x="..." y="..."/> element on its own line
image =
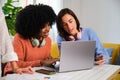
<point x="45" y="33"/>
<point x="70" y="30"/>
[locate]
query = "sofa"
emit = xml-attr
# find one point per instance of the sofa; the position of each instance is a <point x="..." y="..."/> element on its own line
<point x="115" y="55"/>
<point x="113" y="50"/>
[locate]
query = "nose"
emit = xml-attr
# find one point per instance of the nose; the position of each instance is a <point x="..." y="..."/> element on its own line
<point x="69" y="26"/>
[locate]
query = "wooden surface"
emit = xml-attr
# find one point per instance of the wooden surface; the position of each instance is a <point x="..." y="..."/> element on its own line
<point x="115" y="75"/>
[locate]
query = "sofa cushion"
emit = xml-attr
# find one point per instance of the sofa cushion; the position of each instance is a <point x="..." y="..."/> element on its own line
<point x="109" y="50"/>
<point x="115" y="52"/>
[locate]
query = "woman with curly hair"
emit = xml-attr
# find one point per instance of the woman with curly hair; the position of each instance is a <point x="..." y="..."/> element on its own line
<point x="31" y="42"/>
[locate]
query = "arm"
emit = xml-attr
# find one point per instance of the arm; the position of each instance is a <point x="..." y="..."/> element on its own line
<point x="100" y="52"/>
<point x="16" y="69"/>
<point x="6" y="48"/>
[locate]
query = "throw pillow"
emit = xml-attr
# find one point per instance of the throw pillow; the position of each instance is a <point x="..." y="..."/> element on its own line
<point x="109" y="50"/>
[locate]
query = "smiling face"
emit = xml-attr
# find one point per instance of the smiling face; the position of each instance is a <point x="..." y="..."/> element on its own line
<point x="45" y="30"/>
<point x="69" y="24"/>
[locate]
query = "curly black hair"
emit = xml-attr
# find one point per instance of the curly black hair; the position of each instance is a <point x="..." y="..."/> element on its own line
<point x="32" y="19"/>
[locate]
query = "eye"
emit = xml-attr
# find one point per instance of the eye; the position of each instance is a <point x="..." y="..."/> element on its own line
<point x="64" y="24"/>
<point x="70" y="21"/>
<point x="48" y="24"/>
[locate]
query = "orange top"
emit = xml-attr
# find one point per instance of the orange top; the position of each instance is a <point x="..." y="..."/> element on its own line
<point x="29" y="55"/>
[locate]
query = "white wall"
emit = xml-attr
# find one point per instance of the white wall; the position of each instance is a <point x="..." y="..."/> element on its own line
<point x="101" y="15"/>
<point x="73" y="5"/>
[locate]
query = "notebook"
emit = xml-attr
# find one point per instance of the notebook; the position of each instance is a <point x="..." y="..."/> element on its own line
<point x="76" y="55"/>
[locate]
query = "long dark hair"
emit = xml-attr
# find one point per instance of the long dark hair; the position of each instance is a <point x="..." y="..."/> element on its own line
<point x="60" y="28"/>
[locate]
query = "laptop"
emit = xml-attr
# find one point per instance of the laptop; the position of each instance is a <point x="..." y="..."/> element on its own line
<point x="76" y="55"/>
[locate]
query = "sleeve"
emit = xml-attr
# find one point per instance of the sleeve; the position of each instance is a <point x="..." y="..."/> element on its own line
<point x="20" y="49"/>
<point x="6" y="48"/>
<point x="99" y="47"/>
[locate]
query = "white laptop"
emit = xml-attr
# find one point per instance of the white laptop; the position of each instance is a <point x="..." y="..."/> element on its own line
<point x="76" y="55"/>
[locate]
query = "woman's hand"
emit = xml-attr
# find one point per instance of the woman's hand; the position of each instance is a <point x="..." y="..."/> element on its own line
<point x="24" y="70"/>
<point x="49" y="61"/>
<point x="100" y="60"/>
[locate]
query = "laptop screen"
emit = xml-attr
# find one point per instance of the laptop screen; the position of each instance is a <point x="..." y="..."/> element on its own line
<point x="76" y="55"/>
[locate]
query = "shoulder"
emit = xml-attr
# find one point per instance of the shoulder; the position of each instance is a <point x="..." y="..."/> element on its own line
<point x="48" y="39"/>
<point x="84" y="28"/>
<point x="88" y="30"/>
<point x="59" y="38"/>
<point x="18" y="38"/>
